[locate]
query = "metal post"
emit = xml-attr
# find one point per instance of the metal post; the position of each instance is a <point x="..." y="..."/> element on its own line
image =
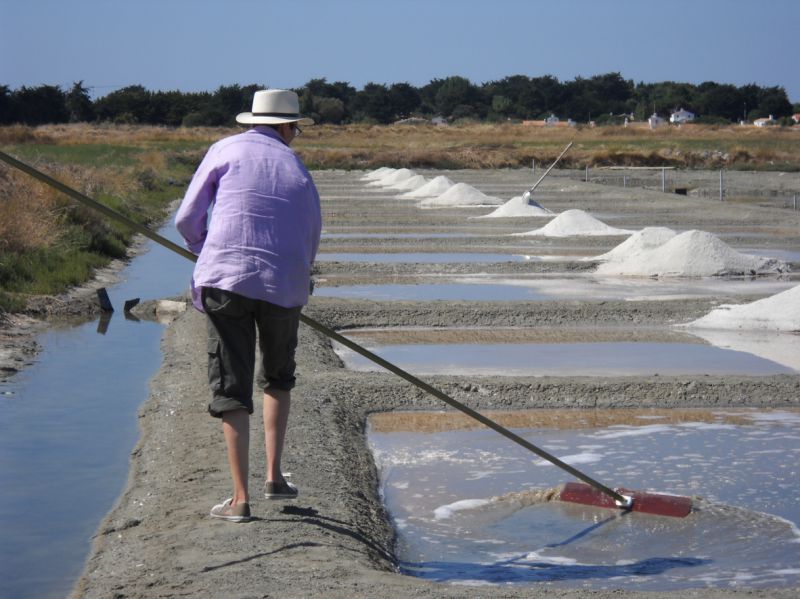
<point x="533" y="166"/>
<point x="663" y="180"/>
<point x="624" y="180"/>
<point x="721" y="186"/>
<point x="586" y="177"/>
<point x="795" y="201"/>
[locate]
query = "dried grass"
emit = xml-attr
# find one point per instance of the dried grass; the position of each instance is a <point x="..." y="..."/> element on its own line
<point x="27" y="212"/>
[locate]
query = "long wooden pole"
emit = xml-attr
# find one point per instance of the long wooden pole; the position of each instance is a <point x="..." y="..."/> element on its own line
<point x="621" y="500"/>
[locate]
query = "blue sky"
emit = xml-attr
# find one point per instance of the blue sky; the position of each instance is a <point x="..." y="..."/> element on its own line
<point x="200" y="45"/>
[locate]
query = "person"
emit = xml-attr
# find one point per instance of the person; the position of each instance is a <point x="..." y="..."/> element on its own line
<point x="253" y="272"/>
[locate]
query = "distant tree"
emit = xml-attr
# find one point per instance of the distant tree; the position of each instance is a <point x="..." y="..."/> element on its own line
<point x="405" y="99"/>
<point x="373" y="102"/>
<point x="226" y="102"/>
<point x="517" y="94"/>
<point x="773" y="100"/>
<point x="317" y="89"/>
<point x="306" y="99"/>
<point x="715" y="100"/>
<point x="427" y="94"/>
<point x="502" y="106"/>
<point x="79" y="104"/>
<point x="580" y="102"/>
<point x="328" y="110"/>
<point x="40" y="105"/>
<point x="464" y="112"/>
<point x="457" y="91"/>
<point x="7" y="115"/>
<point x="130" y="104"/>
<point x="545" y="95"/>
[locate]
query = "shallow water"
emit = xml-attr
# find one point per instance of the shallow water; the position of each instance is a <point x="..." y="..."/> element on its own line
<point x="67" y="427"/>
<point x="462" y="504"/>
<point x="497" y="288"/>
<point x="565" y="359"/>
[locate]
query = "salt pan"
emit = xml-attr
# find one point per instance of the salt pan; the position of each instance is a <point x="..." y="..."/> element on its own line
<point x="519" y="206"/>
<point x="691" y="254"/>
<point x="575" y="223"/>
<point x="461" y="194"/>
<point x="431" y="189"/>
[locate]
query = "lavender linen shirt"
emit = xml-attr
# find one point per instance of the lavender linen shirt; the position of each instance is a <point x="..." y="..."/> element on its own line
<point x="264" y="231"/>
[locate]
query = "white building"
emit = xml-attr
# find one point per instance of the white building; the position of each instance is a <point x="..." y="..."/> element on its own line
<point x="765" y="122"/>
<point x="681" y="116"/>
<point x="655" y="121"/>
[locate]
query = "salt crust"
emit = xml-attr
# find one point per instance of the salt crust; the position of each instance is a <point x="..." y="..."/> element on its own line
<point x="779" y="312"/>
<point x="691" y="254"/>
<point x="461" y="194"/>
<point x="431" y="189"/>
<point x="517" y="206"/>
<point x="575" y="223"/>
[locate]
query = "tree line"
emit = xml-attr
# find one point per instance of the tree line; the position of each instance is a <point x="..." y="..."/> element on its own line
<point x="602" y="99"/>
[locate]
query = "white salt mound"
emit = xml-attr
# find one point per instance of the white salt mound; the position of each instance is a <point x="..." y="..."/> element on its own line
<point x="519" y="206"/>
<point x="692" y="254"/>
<point x="642" y="241"/>
<point x="574" y="223"/>
<point x="392" y="178"/>
<point x="780" y="312"/>
<point x="431" y="189"/>
<point x="461" y="194"/>
<point x="377" y="173"/>
<point x="414" y="182"/>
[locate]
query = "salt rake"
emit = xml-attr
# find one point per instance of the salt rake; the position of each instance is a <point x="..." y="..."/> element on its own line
<point x="591" y="493"/>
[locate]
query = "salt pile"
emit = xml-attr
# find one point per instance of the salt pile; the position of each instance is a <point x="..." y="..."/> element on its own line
<point x="780" y="312"/>
<point x="378" y="173"/>
<point x="393" y="178"/>
<point x="519" y="206"/>
<point x="642" y="241"/>
<point x="461" y="194"/>
<point x="574" y="223"/>
<point x="692" y="254"/>
<point x="431" y="189"/>
<point x="414" y="182"/>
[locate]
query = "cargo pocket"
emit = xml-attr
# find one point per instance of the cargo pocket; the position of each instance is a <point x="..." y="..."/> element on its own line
<point x="214" y="366"/>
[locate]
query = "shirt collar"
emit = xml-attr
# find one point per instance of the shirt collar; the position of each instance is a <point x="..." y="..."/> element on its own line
<point x="269" y="132"/>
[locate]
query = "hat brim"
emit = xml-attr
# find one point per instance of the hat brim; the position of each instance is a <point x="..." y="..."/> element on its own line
<point x="248" y="118"/>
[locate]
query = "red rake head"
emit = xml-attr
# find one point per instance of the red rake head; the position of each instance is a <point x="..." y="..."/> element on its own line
<point x="648" y="503"/>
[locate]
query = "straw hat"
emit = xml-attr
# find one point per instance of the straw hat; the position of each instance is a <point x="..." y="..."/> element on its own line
<point x="273" y="107"/>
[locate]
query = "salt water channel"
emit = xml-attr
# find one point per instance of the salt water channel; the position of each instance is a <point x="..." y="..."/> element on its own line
<point x="471" y="508"/>
<point x="67" y="427"/>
